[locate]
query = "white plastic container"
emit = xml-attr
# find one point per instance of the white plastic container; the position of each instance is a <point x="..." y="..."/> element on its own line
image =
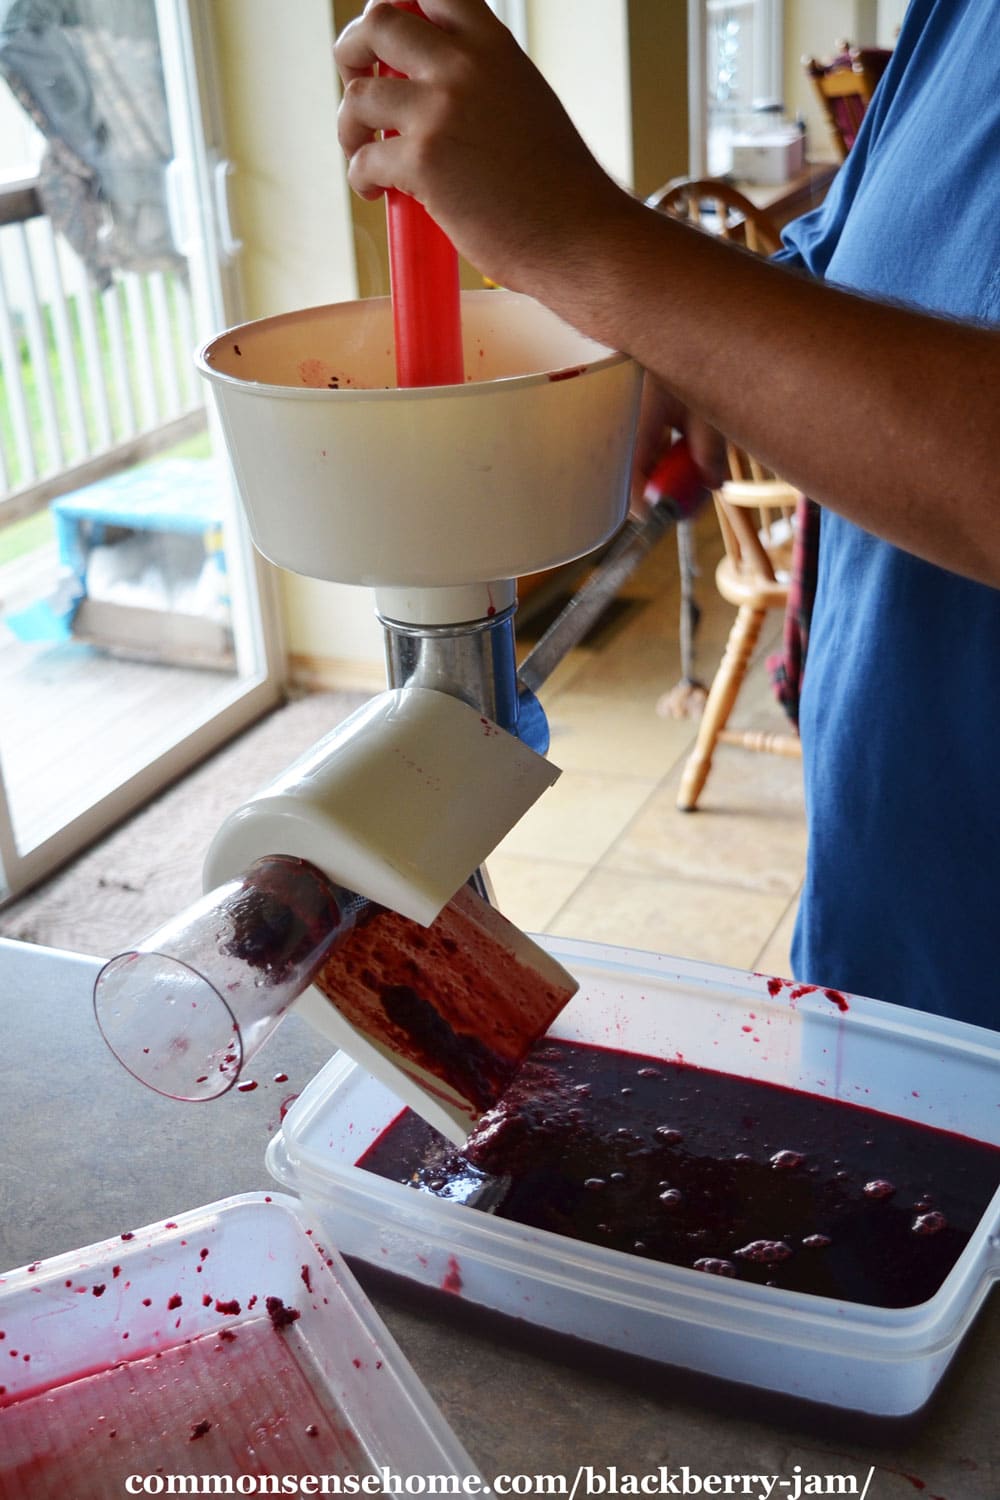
<point x="881" y="1361"/>
<point x="344" y="476"/>
<point x="768" y="156"/>
<point x="209" y="1272"/>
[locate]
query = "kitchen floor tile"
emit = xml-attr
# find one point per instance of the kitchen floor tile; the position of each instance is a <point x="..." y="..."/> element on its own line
<point x="530" y="891"/>
<point x="748" y="830"/>
<point x="775" y="956"/>
<point x="579" y="818"/>
<point x="689" y="918"/>
<point x="592" y="732"/>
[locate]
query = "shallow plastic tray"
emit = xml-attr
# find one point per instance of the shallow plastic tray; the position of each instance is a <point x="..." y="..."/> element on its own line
<point x="885" y="1362"/>
<point x="167" y="1289"/>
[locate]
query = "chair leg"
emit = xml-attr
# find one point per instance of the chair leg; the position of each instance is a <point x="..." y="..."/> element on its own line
<point x="719" y="704"/>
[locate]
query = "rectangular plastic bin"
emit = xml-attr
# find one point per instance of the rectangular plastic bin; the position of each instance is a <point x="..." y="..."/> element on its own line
<point x="230" y="1317"/>
<point x="884" y="1362"/>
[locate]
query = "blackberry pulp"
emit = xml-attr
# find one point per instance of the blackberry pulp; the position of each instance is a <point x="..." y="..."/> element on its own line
<point x="732" y="1177"/>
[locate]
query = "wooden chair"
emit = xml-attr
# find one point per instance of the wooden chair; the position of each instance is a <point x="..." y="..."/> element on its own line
<point x="755" y="511"/>
<point x="711" y="204"/>
<point x="845" y="87"/>
<point x="754" y="508"/>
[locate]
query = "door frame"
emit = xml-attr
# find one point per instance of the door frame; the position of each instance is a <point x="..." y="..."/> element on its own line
<point x="199" y="189"/>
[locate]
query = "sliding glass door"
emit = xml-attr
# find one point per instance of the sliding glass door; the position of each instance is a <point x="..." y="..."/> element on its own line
<point x="136" y="630"/>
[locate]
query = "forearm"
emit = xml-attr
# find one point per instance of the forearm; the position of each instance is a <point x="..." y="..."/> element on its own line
<point x="887" y="415"/>
<point x="883" y="414"/>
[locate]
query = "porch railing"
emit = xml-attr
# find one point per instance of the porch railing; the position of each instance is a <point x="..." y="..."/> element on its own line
<point x="90" y="381"/>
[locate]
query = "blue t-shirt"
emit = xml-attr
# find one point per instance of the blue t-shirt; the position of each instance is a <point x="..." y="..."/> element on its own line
<point x="900" y="714"/>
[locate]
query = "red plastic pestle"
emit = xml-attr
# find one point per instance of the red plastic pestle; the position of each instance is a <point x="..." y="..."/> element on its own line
<point x="423" y="277"/>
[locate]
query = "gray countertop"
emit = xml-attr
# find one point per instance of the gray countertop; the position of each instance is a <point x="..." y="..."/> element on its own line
<point x="86" y="1152"/>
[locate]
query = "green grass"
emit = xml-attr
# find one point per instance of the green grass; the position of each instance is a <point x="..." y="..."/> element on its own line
<point x="22" y="537"/>
<point x="198" y="446"/>
<point x="46" y="461"/>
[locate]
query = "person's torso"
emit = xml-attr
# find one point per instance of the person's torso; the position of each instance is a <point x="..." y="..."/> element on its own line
<point x="901" y="700"/>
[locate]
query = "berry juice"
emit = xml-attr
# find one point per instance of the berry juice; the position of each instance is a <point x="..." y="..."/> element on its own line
<point x="732" y="1177"/>
<point x="243" y="1402"/>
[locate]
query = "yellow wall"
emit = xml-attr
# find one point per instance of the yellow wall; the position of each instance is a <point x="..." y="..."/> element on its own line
<point x="620" y="68"/>
<point x="657" y="34"/>
<point x="582" y="48"/>
<point x="292" y="211"/>
<point x="890" y="18"/>
<point x="279" y="96"/>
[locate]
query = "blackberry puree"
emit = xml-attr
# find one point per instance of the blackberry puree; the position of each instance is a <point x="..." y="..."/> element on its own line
<point x="735" y="1178"/>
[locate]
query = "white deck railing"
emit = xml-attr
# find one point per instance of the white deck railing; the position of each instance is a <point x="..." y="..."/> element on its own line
<point x="90" y="380"/>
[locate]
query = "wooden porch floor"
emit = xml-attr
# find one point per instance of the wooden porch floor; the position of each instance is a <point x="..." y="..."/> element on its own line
<point x="75" y="721"/>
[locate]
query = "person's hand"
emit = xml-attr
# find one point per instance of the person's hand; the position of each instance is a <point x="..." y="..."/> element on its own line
<point x="661" y="417"/>
<point x="482" y="141"/>
<point x="485" y="145"/>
